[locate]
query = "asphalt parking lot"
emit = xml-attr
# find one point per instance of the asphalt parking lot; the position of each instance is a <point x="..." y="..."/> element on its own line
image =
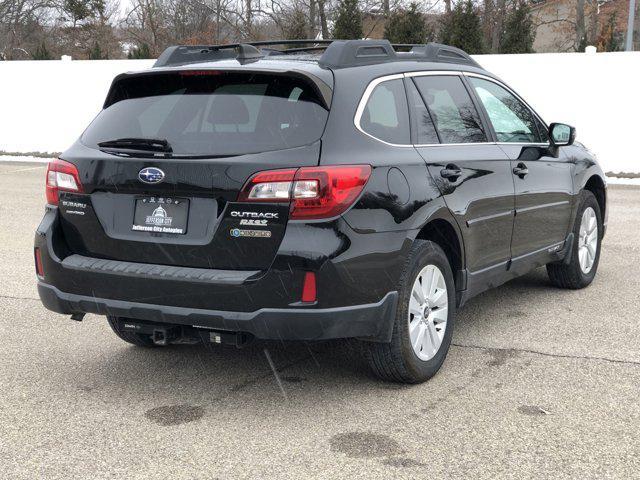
<point x="540" y="383"/>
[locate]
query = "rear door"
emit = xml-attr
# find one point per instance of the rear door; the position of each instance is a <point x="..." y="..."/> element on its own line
<point x="543" y="182"/>
<point x="177" y="205"/>
<point x="472" y="173"/>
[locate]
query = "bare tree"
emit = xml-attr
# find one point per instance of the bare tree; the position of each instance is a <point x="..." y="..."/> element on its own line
<point x="580" y="25"/>
<point x="21" y="26"/>
<point x="324" y="27"/>
<point x="498" y="24"/>
<point x="145" y="24"/>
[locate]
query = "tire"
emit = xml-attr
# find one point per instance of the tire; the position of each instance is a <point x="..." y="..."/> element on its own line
<point x="136" y="339"/>
<point x="570" y="273"/>
<point x="398" y="361"/>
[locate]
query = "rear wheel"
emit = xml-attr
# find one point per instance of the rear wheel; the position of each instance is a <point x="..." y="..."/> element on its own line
<point x="133" y="338"/>
<point x="580" y="268"/>
<point x="423" y="325"/>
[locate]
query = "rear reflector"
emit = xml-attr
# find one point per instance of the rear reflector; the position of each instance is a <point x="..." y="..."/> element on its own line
<point x="314" y="192"/>
<point x="309" y="288"/>
<point x="61" y="176"/>
<point x="39" y="267"/>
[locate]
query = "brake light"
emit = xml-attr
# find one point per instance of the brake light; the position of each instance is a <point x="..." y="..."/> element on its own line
<point x="200" y="73"/>
<point x="61" y="176"/>
<point x="314" y="192"/>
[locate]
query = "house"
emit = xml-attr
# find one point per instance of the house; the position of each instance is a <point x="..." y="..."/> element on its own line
<point x="556" y="23"/>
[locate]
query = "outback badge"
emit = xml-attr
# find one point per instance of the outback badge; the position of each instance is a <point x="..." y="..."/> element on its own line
<point x="151" y="175"/>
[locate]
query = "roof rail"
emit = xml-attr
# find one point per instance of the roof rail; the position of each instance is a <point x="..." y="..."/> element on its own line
<point x="337" y="53"/>
<point x="185" y="54"/>
<point x="351" y="53"/>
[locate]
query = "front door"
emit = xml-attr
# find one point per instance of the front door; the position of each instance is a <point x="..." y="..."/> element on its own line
<point x="472" y="173"/>
<point x="543" y="181"/>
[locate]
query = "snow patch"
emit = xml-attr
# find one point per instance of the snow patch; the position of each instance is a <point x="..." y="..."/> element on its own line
<point x="23" y="159"/>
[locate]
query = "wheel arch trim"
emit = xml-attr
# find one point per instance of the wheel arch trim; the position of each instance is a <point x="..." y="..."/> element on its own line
<point x="443" y="215"/>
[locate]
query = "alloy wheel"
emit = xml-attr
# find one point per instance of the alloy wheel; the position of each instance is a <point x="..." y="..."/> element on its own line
<point x="428" y="311"/>
<point x="588" y="240"/>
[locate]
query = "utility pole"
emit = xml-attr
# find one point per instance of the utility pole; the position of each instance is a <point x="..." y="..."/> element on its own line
<point x="632" y="11"/>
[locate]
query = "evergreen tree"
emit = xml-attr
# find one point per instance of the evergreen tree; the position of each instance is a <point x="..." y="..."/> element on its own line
<point x="407" y="26"/>
<point x="519" y="32"/>
<point x="461" y="28"/>
<point x="348" y="24"/>
<point x="139" y="52"/>
<point x="610" y="39"/>
<point x="96" y="53"/>
<point x="79" y="10"/>
<point x="41" y="53"/>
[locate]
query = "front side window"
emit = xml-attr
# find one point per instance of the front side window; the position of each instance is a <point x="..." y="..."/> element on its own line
<point x="452" y="111"/>
<point x="543" y="130"/>
<point x="386" y="116"/>
<point x="511" y="119"/>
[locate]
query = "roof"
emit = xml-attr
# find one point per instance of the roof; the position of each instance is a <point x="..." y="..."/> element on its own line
<point x="318" y="60"/>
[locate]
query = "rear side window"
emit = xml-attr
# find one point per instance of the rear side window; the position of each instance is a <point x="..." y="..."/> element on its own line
<point x="386" y="116"/>
<point x="213" y="112"/>
<point x="452" y="111"/>
<point x="421" y="121"/>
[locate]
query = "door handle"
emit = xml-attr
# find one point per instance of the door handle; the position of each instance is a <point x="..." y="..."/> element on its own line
<point x="520" y="170"/>
<point x="451" y="172"/>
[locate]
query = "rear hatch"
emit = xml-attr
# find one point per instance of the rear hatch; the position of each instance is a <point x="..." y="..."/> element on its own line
<point x="162" y="165"/>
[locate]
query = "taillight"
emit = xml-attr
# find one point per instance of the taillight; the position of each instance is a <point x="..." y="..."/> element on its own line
<point x="323" y="192"/>
<point x="269" y="186"/>
<point x="61" y="176"/>
<point x="314" y="192"/>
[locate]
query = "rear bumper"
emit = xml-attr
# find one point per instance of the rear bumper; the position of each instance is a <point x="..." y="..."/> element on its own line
<point x="371" y="321"/>
<point x="356" y="276"/>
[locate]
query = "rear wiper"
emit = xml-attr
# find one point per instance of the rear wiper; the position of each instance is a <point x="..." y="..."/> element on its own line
<point x="145" y="144"/>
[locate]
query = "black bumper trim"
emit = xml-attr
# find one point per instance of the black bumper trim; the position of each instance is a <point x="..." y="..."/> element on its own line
<point x="371" y="321"/>
<point x="161" y="272"/>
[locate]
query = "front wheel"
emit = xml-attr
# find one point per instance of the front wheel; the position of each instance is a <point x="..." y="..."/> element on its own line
<point x="424" y="319"/>
<point x="579" y="269"/>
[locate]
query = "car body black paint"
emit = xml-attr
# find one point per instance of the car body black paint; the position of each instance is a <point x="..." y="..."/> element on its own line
<point x="505" y="225"/>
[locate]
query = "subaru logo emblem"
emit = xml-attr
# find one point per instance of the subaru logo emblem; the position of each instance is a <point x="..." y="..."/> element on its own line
<point x="151" y="175"/>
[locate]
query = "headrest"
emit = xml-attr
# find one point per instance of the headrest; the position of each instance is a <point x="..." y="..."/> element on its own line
<point x="228" y="109"/>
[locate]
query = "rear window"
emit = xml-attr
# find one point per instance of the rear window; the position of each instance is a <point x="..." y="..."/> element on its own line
<point x="213" y="112"/>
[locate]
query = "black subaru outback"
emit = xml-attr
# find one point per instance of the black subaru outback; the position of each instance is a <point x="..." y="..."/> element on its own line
<point x="344" y="189"/>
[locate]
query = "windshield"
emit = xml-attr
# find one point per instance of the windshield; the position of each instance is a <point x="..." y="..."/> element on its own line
<point x="212" y="112"/>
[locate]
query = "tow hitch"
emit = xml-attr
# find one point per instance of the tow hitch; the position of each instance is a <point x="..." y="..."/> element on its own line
<point x="165" y="336"/>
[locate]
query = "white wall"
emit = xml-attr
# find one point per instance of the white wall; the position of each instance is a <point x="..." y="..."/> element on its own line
<point x="598" y="93"/>
<point x="45" y="106"/>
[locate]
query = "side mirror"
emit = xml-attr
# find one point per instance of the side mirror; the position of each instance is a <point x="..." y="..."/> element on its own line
<point x="561" y="134"/>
